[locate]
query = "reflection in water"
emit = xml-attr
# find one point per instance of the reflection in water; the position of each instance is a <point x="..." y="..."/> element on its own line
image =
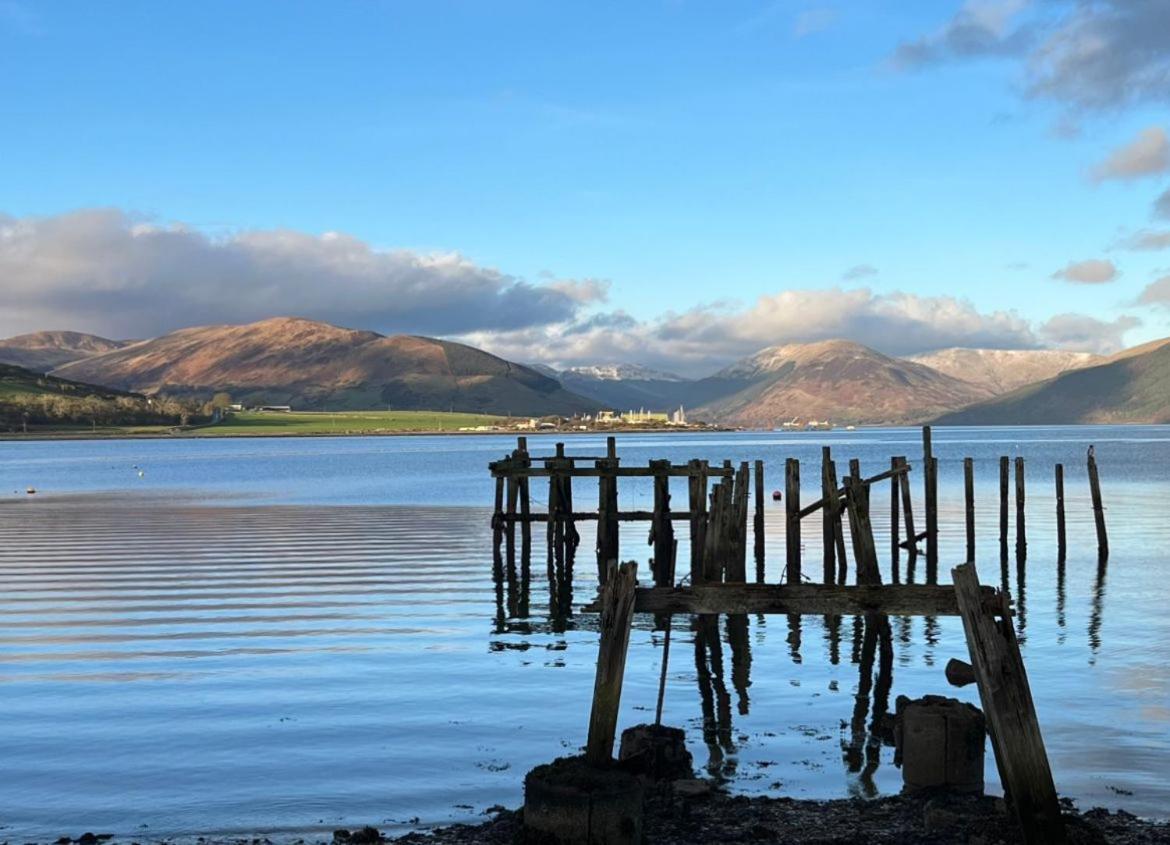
<point x="714" y="698"/>
<point x="1098" y="608"/>
<point x="1060" y="621"/>
<point x="741" y="658"/>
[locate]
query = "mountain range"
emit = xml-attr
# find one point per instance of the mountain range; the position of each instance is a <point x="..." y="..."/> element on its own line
<point x="314" y="365"/>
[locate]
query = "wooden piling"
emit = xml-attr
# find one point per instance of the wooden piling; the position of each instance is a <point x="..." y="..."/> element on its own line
<point x="792" y="520"/>
<point x="524" y="462"/>
<point x="828" y="491"/>
<point x="1098" y="507"/>
<point x="895" y="522"/>
<point x="759" y="522"/>
<point x="617" y="614"/>
<point x="838" y="507"/>
<point x="1061" y="546"/>
<point x="697" y="489"/>
<point x="1004" y="465"/>
<point x="930" y="483"/>
<point x="861" y="531"/>
<point x="607" y="511"/>
<point x="1011" y="714"/>
<point x="661" y="529"/>
<point x="1021" y="534"/>
<point x="740" y="534"/>
<point x="911" y="541"/>
<point x="969" y="505"/>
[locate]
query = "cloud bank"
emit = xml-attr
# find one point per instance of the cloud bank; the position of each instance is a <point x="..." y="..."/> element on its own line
<point x="1084" y="54"/>
<point x="106" y="272"/>
<point x="1094" y="271"/>
<point x="1146" y="155"/>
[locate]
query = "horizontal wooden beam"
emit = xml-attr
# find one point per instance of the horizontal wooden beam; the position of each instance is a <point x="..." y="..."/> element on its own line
<point x="504" y="469"/>
<point x="807" y="599"/>
<point x="591" y="516"/>
<point x="873" y="479"/>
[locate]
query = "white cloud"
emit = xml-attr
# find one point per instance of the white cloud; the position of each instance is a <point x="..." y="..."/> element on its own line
<point x="1146" y="155"/>
<point x="701" y="340"/>
<point x="1146" y="240"/>
<point x="979" y="28"/>
<point x="1087" y="334"/>
<point x="1156" y="292"/>
<point x="103" y="271"/>
<point x="1094" y="271"/>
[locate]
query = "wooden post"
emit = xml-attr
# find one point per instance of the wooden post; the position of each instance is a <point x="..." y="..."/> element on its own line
<point x="510" y="527"/>
<point x="1011" y="714"/>
<point x="838" y="530"/>
<point x="759" y="522"/>
<point x="1021" y="536"/>
<point x="1098" y="507"/>
<point x="969" y="502"/>
<point x="895" y="522"/>
<point x="713" y="536"/>
<point x="908" y="510"/>
<point x="792" y="520"/>
<point x="617" y="614"/>
<point x="861" y="530"/>
<point x="742" y="481"/>
<point x="930" y="482"/>
<point x="1061" y="547"/>
<point x="525" y="503"/>
<point x="1003" y="504"/>
<point x="828" y="487"/>
<point x="498" y="516"/>
<point x="697" y="483"/>
<point x="661" y="529"/>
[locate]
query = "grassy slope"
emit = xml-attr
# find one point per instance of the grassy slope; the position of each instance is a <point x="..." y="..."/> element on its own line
<point x="252" y="423"/>
<point x="1133" y="388"/>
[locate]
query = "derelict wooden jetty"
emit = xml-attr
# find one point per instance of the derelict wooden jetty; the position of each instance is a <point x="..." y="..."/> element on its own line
<point x="716" y="515"/>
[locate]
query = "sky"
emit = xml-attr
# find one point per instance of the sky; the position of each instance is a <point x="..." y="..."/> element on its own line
<point x="675" y="184"/>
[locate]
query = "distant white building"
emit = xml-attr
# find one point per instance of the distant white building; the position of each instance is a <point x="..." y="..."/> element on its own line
<point x="679" y="417"/>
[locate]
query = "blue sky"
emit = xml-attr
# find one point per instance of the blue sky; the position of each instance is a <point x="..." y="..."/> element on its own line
<point x="659" y="166"/>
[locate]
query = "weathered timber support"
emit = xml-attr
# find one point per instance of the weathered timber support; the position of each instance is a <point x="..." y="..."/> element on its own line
<point x="895" y="522"/>
<point x="524" y="462"/>
<point x="572" y="802"/>
<point x="617" y="615"/>
<point x="697" y="490"/>
<point x="736" y="567"/>
<point x="498" y="518"/>
<point x="861" y="530"/>
<point x="1098" y="507"/>
<point x="969" y="504"/>
<point x="1011" y="714"/>
<point x="792" y="520"/>
<point x="1004" y="467"/>
<point x="513" y="490"/>
<point x="759" y="521"/>
<point x="713" y="537"/>
<point x="838" y="507"/>
<point x="1061" y="546"/>
<point x="661" y="529"/>
<point x="930" y="483"/>
<point x="607" y="510"/>
<point x="1021" y="531"/>
<point x="911" y="541"/>
<point x="828" y="538"/>
<point x="806" y="599"/>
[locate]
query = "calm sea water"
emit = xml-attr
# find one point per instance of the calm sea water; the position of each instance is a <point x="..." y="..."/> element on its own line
<point x="299" y="634"/>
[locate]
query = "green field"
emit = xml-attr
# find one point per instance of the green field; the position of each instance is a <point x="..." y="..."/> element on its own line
<point x="252" y="423"/>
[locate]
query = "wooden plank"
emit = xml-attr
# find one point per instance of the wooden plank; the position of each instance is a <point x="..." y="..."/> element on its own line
<point x="523" y="462"/>
<point x="1098" y="507"/>
<point x="819" y="504"/>
<point x="1021" y="536"/>
<point x="698" y="495"/>
<point x="500" y="468"/>
<point x="661" y="530"/>
<point x="805" y="599"/>
<point x="838" y="508"/>
<point x="1004" y="466"/>
<point x="910" y="544"/>
<point x="1011" y="714"/>
<point x="828" y="543"/>
<point x="969" y="503"/>
<point x="617" y="614"/>
<point x="861" y="531"/>
<point x="792" y="520"/>
<point x="895" y="522"/>
<point x="1061" y="547"/>
<point x="759" y="521"/>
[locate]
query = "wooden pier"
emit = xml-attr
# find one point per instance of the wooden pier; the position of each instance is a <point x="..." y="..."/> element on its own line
<point x="716" y="519"/>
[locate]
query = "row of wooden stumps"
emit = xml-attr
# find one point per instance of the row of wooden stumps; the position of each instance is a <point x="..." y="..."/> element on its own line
<point x="719" y="500"/>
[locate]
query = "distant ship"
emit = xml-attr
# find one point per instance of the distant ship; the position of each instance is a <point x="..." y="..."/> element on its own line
<point x="811" y="425"/>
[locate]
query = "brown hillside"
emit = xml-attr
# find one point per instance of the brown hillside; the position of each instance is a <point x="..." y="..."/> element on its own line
<point x="310" y="364"/>
<point x="44" y="351"/>
<point x="839" y="381"/>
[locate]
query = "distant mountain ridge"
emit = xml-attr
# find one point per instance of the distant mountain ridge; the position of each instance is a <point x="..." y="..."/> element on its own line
<point x="44" y="351"/>
<point x="1130" y="387"/>
<point x="1004" y="370"/>
<point x="836" y="380"/>
<point x="314" y="365"/>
